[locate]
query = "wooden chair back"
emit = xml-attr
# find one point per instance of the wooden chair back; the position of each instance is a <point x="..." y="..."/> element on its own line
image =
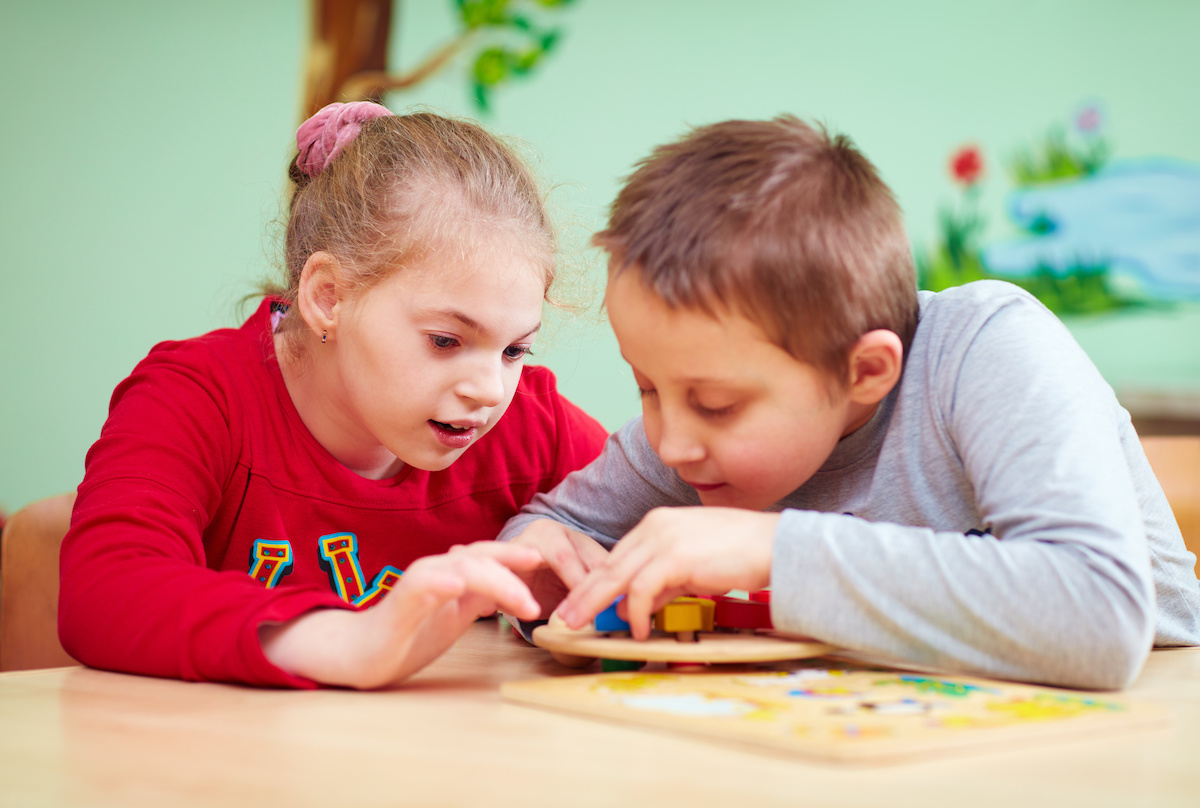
<point x="1175" y="460"/>
<point x="29" y="585"/>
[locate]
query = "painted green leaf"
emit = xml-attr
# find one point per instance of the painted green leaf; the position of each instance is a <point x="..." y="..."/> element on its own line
<point x="478" y="13"/>
<point x="491" y="66"/>
<point x="525" y="61"/>
<point x="481" y="97"/>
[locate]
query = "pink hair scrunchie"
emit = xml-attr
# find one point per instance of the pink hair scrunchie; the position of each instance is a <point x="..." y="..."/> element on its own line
<point x="322" y="136"/>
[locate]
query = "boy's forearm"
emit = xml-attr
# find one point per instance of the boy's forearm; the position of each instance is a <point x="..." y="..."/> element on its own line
<point x="1020" y="609"/>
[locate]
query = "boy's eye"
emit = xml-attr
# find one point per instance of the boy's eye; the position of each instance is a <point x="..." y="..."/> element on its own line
<point x="646" y="392"/>
<point x="515" y="352"/>
<point x="442" y="341"/>
<point x="713" y="412"/>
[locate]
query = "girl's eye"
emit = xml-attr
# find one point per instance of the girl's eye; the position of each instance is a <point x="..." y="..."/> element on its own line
<point x="442" y="341"/>
<point x="646" y="392"/>
<point x="517" y="352"/>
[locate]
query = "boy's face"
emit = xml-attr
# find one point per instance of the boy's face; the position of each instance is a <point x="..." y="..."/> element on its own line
<point x="736" y="416"/>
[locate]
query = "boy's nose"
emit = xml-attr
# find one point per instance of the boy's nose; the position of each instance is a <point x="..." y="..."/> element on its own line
<point x="677" y="446"/>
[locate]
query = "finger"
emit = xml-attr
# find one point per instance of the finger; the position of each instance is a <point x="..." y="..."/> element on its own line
<point x="668" y="595"/>
<point x="481" y="570"/>
<point x="652" y="586"/>
<point x="491" y="585"/>
<point x="422" y="589"/>
<point x="589" y="598"/>
<point x="663" y="598"/>
<point x="563" y="556"/>
<point x="603" y="584"/>
<point x="591" y="552"/>
<point x="520" y="558"/>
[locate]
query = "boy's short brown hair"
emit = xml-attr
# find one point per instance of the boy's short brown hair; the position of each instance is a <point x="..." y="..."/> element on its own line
<point x="781" y="222"/>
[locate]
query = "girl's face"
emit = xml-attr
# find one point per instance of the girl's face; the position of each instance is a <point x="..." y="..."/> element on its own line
<point x="429" y="359"/>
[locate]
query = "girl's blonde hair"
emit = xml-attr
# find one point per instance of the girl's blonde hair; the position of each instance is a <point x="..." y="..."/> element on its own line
<point x="406" y="185"/>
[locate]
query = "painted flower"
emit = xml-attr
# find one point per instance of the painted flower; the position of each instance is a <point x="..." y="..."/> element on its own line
<point x="1089" y="120"/>
<point x="966" y="165"/>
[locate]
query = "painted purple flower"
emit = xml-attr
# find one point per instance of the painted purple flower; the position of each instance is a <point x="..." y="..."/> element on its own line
<point x="1089" y="120"/>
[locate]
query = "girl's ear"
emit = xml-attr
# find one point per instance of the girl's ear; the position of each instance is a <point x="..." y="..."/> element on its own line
<point x="875" y="364"/>
<point x="319" y="294"/>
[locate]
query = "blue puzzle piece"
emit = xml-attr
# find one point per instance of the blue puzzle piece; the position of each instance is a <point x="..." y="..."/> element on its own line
<point x="607" y="620"/>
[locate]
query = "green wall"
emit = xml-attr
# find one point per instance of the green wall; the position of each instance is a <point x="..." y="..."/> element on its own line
<point x="141" y="151"/>
<point x="143" y="145"/>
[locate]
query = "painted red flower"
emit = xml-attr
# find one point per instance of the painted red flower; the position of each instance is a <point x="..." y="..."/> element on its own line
<point x="966" y="165"/>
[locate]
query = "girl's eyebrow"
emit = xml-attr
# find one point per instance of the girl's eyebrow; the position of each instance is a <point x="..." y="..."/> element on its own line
<point x="473" y="324"/>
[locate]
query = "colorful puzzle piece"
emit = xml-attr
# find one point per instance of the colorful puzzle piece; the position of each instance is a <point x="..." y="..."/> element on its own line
<point x="608" y="620"/>
<point x="685" y="615"/>
<point x="613" y="665"/>
<point x="736" y="613"/>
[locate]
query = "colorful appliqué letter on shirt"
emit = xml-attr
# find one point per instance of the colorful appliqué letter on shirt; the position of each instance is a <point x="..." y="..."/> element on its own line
<point x="271" y="559"/>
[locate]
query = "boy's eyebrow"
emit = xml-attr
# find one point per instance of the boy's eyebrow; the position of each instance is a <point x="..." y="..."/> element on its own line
<point x="719" y="381"/>
<point x="472" y="323"/>
<point x="694" y="380"/>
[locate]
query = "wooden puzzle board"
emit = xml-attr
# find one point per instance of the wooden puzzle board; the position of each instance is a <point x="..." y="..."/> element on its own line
<point x="710" y="646"/>
<point x="842" y="713"/>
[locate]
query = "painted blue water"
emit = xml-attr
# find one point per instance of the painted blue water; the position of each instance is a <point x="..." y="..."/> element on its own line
<point x="1141" y="218"/>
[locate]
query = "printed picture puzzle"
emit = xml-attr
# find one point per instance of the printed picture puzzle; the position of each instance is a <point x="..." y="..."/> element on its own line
<point x="841" y="712"/>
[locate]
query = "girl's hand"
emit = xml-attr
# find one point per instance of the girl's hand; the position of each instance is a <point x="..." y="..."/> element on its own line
<point x="433" y="603"/>
<point x="568" y="556"/>
<point x="672" y="551"/>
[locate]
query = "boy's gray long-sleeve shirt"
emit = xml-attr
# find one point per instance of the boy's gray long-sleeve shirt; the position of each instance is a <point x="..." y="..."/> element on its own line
<point x="996" y="514"/>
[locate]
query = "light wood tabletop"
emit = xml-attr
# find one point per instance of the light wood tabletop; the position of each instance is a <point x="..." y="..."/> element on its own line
<point x="80" y="737"/>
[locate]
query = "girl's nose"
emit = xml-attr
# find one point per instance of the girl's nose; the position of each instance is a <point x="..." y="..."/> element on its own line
<point x="484" y="384"/>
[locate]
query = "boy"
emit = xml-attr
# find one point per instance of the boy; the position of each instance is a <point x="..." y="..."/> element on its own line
<point x="943" y="479"/>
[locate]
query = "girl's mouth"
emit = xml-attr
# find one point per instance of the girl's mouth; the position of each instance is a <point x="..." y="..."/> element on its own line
<point x="451" y="436"/>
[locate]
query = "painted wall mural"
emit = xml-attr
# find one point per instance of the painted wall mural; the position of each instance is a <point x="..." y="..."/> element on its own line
<point x="1096" y="234"/>
<point x="350" y="48"/>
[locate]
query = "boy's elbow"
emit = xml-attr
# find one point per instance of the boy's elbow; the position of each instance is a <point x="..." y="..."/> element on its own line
<point x="1115" y="669"/>
<point x="1118" y="643"/>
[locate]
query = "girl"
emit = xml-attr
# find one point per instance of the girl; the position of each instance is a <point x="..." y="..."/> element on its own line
<point x="254" y="490"/>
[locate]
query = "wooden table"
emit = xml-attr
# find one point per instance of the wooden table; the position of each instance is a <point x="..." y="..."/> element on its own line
<point x="79" y="737"/>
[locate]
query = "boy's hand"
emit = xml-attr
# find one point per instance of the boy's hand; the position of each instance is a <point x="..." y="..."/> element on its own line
<point x="698" y="550"/>
<point x="431" y="605"/>
<point x="568" y="557"/>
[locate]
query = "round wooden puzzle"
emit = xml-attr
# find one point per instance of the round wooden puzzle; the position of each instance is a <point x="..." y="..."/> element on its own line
<point x="578" y="648"/>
